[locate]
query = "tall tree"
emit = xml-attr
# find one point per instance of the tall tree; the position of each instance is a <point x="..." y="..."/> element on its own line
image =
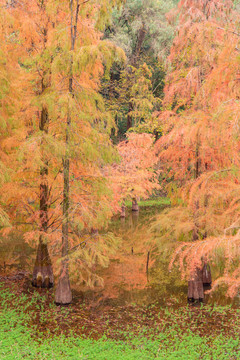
<point x="35" y="28"/>
<point x="62" y="98"/>
<point x="200" y="99"/>
<point x="77" y="71"/>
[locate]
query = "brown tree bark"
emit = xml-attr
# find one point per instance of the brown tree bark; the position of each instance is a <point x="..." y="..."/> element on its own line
<point x="42" y="272"/>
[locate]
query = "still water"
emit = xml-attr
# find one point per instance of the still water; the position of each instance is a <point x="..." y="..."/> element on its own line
<point x="138" y="272"/>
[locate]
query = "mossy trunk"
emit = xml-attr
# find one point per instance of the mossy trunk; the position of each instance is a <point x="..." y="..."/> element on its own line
<point x="195" y="287"/>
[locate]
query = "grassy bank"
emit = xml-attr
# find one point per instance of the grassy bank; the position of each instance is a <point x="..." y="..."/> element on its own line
<point x="32" y="327"/>
<point x="158" y="202"/>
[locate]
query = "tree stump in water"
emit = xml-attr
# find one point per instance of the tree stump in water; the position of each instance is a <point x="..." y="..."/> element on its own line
<point x="42" y="272"/>
<point x="207" y="277"/>
<point x="195" y="287"/>
<point x="135" y="206"/>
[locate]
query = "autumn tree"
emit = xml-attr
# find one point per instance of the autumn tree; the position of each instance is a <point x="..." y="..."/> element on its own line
<point x="34" y="28"/>
<point x="76" y="72"/>
<point x="200" y="142"/>
<point x="64" y="140"/>
<point x="135" y="175"/>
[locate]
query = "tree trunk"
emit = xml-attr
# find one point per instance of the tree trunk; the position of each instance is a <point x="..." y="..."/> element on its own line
<point x="207" y="276"/>
<point x="195" y="287"/>
<point x="135" y="218"/>
<point x="123" y="210"/>
<point x="139" y="46"/>
<point x="43" y="272"/>
<point x="63" y="295"/>
<point x="135" y="206"/>
<point x="129" y="116"/>
<point x="197" y="159"/>
<point x="133" y="62"/>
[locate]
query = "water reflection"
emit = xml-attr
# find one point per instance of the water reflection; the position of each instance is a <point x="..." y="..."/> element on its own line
<point x="137" y="273"/>
<point x="16" y="255"/>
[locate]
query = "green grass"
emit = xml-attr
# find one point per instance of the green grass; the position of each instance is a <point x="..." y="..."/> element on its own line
<point x="161" y="201"/>
<point x="21" y="336"/>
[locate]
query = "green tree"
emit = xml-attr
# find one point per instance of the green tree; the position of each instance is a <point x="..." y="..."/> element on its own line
<point x="143" y="31"/>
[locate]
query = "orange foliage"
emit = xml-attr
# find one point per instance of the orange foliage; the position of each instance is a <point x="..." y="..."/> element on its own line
<point x="135" y="176"/>
<point x="42" y="46"/>
<point x="200" y="145"/>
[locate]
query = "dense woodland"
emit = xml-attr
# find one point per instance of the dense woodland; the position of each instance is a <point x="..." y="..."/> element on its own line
<point x="119" y="179"/>
<point x="106" y="102"/>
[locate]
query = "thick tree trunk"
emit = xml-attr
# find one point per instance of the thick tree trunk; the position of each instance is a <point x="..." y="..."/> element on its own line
<point x="42" y="272"/>
<point x="135" y="206"/>
<point x="195" y="287"/>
